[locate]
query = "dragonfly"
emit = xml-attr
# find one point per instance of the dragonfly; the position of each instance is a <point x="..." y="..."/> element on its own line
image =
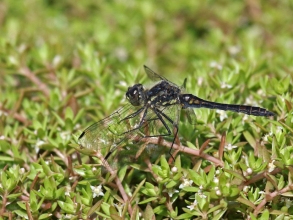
<point x="149" y="113"/>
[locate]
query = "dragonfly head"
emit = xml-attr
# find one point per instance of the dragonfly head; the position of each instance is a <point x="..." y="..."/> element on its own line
<point x="135" y="95"/>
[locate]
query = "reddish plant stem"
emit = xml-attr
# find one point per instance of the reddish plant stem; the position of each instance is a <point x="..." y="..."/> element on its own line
<point x="33" y="78"/>
<point x="270" y="196"/>
<point x="184" y="149"/>
<point x="118" y="182"/>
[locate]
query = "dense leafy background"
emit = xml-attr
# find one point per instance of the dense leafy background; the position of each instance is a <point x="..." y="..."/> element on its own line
<point x="65" y="64"/>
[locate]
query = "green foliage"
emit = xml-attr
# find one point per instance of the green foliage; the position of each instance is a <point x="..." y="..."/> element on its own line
<point x="66" y="64"/>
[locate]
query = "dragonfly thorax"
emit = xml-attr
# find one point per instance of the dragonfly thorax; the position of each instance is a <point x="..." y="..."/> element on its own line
<point x="163" y="94"/>
<point x="135" y="95"/>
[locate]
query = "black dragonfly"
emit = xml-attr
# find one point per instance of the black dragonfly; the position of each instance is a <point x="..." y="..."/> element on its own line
<point x="151" y="113"/>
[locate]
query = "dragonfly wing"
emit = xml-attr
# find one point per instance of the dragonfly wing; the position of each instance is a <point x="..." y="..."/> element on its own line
<point x="191" y="117"/>
<point x="108" y="133"/>
<point x="156" y="77"/>
<point x="154" y="125"/>
<point x="152" y="75"/>
<point x="161" y="120"/>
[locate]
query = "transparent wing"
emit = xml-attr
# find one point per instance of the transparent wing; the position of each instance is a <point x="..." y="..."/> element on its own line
<point x="103" y="135"/>
<point x="155" y="124"/>
<point x="156" y="77"/>
<point x="152" y="75"/>
<point x="115" y="136"/>
<point x="191" y="117"/>
<point x="160" y="122"/>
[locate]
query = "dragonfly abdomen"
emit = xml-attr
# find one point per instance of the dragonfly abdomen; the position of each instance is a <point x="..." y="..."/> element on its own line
<point x="191" y="101"/>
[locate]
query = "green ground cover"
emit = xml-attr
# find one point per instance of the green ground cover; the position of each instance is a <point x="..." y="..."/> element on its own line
<point x="66" y="64"/>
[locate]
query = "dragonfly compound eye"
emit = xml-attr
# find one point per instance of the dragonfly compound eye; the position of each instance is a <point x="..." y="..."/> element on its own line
<point x="134" y="95"/>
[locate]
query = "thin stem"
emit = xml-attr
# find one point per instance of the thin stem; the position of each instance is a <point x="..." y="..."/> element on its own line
<point x="183" y="149"/>
<point x="32" y="77"/>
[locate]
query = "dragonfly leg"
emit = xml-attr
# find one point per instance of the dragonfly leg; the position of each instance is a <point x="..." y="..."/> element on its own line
<point x="175" y="136"/>
<point x="175" y="126"/>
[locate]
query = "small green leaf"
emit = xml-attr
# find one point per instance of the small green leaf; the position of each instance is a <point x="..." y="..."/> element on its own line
<point x="197" y="178"/>
<point x="236" y="174"/>
<point x="149" y="213"/>
<point x="45" y="216"/>
<point x="246" y="202"/>
<point x="68" y="206"/>
<point x="265" y="215"/>
<point x="137" y="189"/>
<point x="21" y="213"/>
<point x="250" y="139"/>
<point x="164" y="164"/>
<point x="69" y="113"/>
<point x="190" y="189"/>
<point x="171" y="184"/>
<point x="148" y="200"/>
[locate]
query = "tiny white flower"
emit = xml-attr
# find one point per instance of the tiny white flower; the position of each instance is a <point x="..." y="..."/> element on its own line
<point x="119" y="208"/>
<point x="230" y="147"/>
<point x="262" y="195"/>
<point x="186" y="182"/>
<point x="279" y="129"/>
<point x="199" y="81"/>
<point x="121" y="53"/>
<point x="244" y="118"/>
<point x="171" y="191"/>
<point x="3" y="113"/>
<point x="57" y="60"/>
<point x="40" y="143"/>
<point x="2" y="137"/>
<point x="174" y="170"/>
<point x="97" y="191"/>
<point x="218" y="192"/>
<point x="260" y="92"/>
<point x="216" y="180"/>
<point x="271" y="166"/>
<point x="222" y="114"/>
<point x="250" y="101"/>
<point x="67" y="191"/>
<point x="65" y="135"/>
<point x="68" y="216"/>
<point x="21" y="170"/>
<point x="265" y="138"/>
<point x="246" y="188"/>
<point x="218" y="172"/>
<point x="123" y="83"/>
<point x="201" y="195"/>
<point x="233" y="50"/>
<point x="192" y="206"/>
<point x="249" y="171"/>
<point x="224" y="85"/>
<point x="216" y="65"/>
